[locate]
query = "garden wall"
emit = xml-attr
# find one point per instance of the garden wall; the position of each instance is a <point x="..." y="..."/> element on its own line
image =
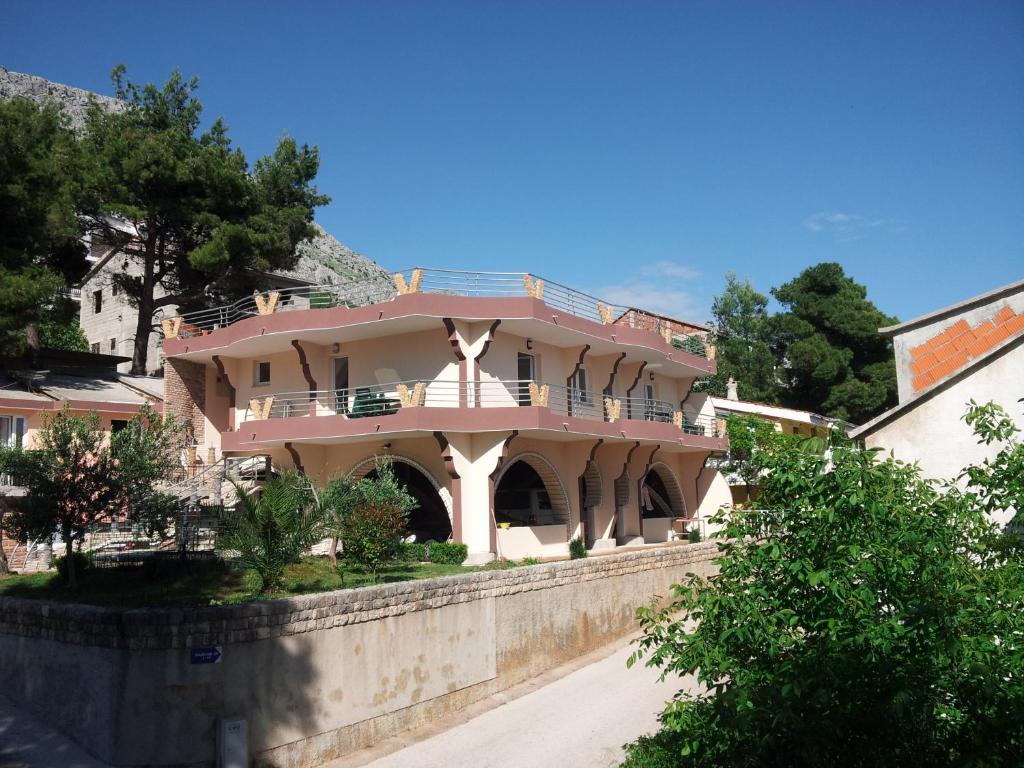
<point x="317" y="676"/>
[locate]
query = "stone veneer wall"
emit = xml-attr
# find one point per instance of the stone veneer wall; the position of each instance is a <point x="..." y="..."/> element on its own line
<point x="321" y="675"/>
<point x="185" y="394"/>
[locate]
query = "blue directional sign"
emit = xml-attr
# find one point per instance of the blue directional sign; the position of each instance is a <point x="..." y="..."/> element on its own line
<point x="208" y="655"/>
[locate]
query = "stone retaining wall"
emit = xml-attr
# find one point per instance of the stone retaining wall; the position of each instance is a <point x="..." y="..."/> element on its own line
<point x="317" y="676"/>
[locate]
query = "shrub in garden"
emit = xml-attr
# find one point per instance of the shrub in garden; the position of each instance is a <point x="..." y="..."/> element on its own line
<point x="271" y="526"/>
<point x="448" y="553"/>
<point x="693" y="536"/>
<point x="372" y="528"/>
<point x="577" y="549"/>
<point x="863" y="617"/>
<point x="413" y="552"/>
<point x="83" y="562"/>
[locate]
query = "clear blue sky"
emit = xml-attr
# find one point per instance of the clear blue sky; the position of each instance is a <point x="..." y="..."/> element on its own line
<point x="636" y="149"/>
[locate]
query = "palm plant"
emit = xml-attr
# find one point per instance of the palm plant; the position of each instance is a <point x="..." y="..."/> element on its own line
<point x="272" y="526"/>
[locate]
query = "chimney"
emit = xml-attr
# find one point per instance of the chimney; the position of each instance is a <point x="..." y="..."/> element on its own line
<point x="730" y="389"/>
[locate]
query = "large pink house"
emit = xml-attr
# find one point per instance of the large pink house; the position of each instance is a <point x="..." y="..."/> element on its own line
<point x="519" y="412"/>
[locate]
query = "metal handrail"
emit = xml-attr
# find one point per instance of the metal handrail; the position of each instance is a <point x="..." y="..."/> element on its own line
<point x="386" y="399"/>
<point x="445" y="282"/>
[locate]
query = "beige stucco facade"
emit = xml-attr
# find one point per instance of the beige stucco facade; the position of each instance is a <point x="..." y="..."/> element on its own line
<point x="463" y="391"/>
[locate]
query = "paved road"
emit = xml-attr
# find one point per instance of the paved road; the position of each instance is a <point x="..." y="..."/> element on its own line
<point x="26" y="743"/>
<point x="581" y="719"/>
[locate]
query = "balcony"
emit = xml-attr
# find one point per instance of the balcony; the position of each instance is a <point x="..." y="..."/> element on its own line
<point x="440" y="282"/>
<point x="466" y="406"/>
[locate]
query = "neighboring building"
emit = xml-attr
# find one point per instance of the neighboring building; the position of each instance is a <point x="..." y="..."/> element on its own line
<point x="973" y="350"/>
<point x="790" y="421"/>
<point x="109" y="320"/>
<point x="35" y="387"/>
<point x="520" y="414"/>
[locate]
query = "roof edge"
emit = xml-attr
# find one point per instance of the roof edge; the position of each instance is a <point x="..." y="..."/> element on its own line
<point x="884" y="418"/>
<point x="984" y="298"/>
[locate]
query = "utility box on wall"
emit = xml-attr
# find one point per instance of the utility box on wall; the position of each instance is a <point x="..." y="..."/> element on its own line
<point x="232" y="744"/>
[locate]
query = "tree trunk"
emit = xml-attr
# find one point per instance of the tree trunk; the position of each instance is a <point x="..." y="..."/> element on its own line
<point x="32" y="337"/>
<point x="333" y="553"/>
<point x="144" y="323"/>
<point x="69" y="562"/>
<point x="4" y="567"/>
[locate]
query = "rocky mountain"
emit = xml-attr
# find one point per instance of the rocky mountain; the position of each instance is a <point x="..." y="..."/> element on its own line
<point x="75" y="100"/>
<point x="322" y="260"/>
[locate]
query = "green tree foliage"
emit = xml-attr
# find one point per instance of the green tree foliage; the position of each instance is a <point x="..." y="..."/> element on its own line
<point x="865" y="618"/>
<point x="59" y="327"/>
<point x="376" y="519"/>
<point x="830" y="356"/>
<point x="747" y="436"/>
<point x="145" y="451"/>
<point x="40" y="245"/>
<point x="202" y="224"/>
<point x="339" y="500"/>
<point x="271" y="527"/>
<point x="71" y="482"/>
<point x="741" y="336"/>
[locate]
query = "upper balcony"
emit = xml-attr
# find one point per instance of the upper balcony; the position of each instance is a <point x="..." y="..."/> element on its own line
<point x="556" y="411"/>
<point x="527" y="305"/>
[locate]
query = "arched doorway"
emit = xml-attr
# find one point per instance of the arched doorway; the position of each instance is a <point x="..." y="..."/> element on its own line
<point x="529" y="493"/>
<point x="660" y="495"/>
<point x="431" y="520"/>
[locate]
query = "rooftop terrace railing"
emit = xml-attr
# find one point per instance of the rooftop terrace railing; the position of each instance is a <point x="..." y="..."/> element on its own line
<point x="444" y="282"/>
<point x="387" y="399"/>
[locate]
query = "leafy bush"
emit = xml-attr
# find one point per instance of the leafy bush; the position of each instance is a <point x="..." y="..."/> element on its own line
<point x="271" y="527"/>
<point x="529" y="561"/>
<point x="694" y="535"/>
<point x="413" y="552"/>
<point x="372" y="529"/>
<point x="884" y="628"/>
<point x="83" y="562"/>
<point x="448" y="553"/>
<point x="577" y="549"/>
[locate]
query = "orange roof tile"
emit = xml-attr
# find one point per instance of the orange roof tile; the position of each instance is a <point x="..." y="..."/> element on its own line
<point x="950" y="350"/>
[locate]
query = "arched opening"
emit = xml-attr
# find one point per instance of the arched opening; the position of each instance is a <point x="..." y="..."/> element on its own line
<point x="529" y="493"/>
<point x="590" y="498"/>
<point x="660" y="495"/>
<point x="431" y="520"/>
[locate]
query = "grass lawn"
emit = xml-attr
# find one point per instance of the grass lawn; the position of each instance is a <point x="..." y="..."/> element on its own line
<point x="210" y="583"/>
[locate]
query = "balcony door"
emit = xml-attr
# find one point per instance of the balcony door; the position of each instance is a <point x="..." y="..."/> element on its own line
<point x="527" y="372"/>
<point x="341" y="385"/>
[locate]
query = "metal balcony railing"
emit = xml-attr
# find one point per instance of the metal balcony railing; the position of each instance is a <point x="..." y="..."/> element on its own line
<point x="444" y="282"/>
<point x="386" y="399"/>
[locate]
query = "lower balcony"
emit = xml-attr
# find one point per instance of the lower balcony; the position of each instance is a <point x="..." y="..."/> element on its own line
<point x="467" y="406"/>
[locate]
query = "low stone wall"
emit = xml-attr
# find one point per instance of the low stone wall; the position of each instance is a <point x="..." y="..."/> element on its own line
<point x="317" y="676"/>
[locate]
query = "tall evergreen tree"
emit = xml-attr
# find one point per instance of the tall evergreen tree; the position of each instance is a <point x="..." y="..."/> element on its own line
<point x="741" y="338"/>
<point x="184" y="203"/>
<point x="830" y="356"/>
<point x="40" y="236"/>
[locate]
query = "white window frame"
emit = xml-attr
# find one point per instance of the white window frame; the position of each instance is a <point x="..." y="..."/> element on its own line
<point x="16" y="429"/>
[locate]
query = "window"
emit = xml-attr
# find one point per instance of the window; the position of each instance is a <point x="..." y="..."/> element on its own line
<point x="95" y="347"/>
<point x="97" y="301"/>
<point x="12" y="431"/>
<point x="527" y="372"/>
<point x="261" y="373"/>
<point x="113" y="346"/>
<point x="116" y="425"/>
<point x="581" y="393"/>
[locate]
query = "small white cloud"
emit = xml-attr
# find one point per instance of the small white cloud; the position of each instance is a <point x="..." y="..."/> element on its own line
<point x="850" y="224"/>
<point x="657" y="288"/>
<point x="670" y="269"/>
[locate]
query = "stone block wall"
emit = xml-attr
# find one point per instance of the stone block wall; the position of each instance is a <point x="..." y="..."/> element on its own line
<point x="318" y="676"/>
